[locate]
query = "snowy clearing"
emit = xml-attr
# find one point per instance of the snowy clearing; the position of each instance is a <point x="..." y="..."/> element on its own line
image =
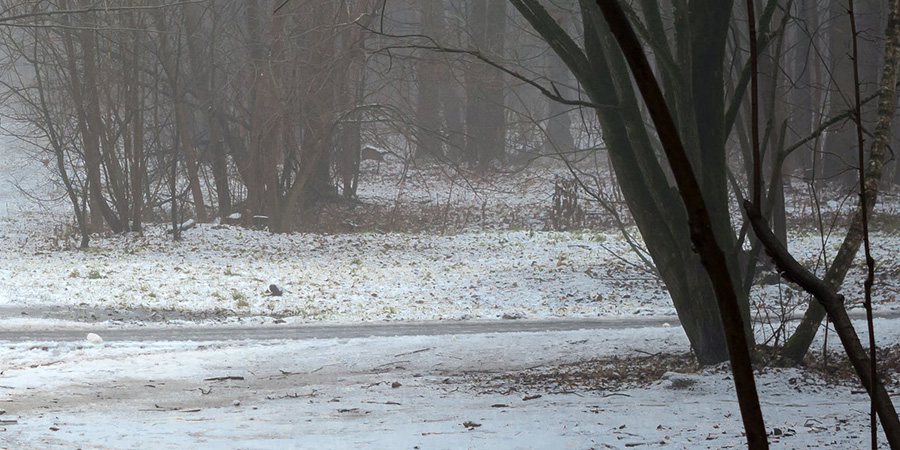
<point x="428" y="392"/>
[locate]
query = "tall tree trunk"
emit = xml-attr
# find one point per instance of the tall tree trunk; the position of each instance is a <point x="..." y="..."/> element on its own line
<point x="259" y="167"/>
<point x="60" y="152"/>
<point x="649" y="195"/>
<point x="839" y="152"/>
<point x="170" y="59"/>
<point x="202" y="68"/>
<point x="134" y="138"/>
<point x="87" y="102"/>
<point x="485" y="107"/>
<point x="428" y="74"/>
<point x="559" y="123"/>
<point x="354" y="41"/>
<point x="800" y="70"/>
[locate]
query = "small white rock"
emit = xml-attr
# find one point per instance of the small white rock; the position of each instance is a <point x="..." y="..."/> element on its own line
<point x="236" y="403"/>
<point x="93" y="338"/>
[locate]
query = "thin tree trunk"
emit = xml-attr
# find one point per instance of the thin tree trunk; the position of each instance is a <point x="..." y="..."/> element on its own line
<point x="833" y="303"/>
<point x="87" y="101"/>
<point x="202" y="68"/>
<point x="138" y="160"/>
<point x="170" y="64"/>
<point x="798" y="344"/>
<point x="60" y="153"/>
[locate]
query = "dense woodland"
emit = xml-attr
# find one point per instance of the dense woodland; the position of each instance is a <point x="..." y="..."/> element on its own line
<point x="264" y="109"/>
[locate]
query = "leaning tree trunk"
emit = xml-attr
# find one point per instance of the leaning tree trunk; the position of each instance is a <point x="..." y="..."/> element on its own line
<point x="59" y="150"/>
<point x="798" y="344"/>
<point x="87" y="101"/>
<point x="702" y="233"/>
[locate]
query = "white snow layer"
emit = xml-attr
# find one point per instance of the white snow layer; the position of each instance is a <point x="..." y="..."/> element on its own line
<point x="425" y="392"/>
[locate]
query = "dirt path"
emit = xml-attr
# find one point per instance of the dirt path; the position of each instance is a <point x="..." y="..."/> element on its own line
<point x="319" y="331"/>
<point x="159" y="328"/>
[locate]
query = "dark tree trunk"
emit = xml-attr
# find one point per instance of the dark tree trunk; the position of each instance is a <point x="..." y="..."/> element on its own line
<point x="428" y="74"/>
<point x="137" y="160"/>
<point x="485" y="106"/>
<point x="202" y="68"/>
<point x="559" y="123"/>
<point x="702" y="233"/>
<point x="839" y="152"/>
<point x="653" y="202"/>
<point x="170" y="60"/>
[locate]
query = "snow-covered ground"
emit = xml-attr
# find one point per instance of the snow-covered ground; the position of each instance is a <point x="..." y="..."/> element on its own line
<point x="466" y="391"/>
<point x="400" y="392"/>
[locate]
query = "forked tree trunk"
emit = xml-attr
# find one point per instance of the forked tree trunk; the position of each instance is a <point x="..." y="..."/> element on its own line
<point x="702" y="233"/>
<point x="653" y="202"/>
<point x="90" y="123"/>
<point x="202" y="70"/>
<point x="59" y="150"/>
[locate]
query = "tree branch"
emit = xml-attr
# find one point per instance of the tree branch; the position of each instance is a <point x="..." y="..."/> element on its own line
<point x="833" y="303"/>
<point x="94" y="8"/>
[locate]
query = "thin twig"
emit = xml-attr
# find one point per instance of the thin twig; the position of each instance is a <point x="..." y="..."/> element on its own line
<point x="870" y="263"/>
<point x="754" y="106"/>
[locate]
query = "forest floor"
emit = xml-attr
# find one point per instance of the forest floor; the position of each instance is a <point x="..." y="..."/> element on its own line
<point x="431" y="246"/>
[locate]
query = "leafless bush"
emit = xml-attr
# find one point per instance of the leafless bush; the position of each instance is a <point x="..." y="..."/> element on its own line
<point x="565" y="212"/>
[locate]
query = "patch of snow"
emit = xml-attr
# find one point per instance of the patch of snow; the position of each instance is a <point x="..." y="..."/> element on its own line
<point x="394" y="392"/>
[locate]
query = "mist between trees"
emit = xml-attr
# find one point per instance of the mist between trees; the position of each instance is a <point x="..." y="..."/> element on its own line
<point x="259" y="113"/>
